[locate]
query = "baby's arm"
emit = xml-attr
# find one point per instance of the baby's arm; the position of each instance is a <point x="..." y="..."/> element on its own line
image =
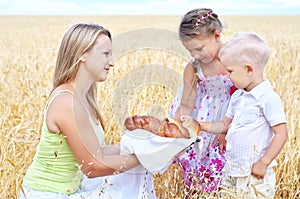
<point x="259" y="168"/>
<point x="220" y="127"/>
<point x="212" y="127"/>
<point x="188" y="93"/>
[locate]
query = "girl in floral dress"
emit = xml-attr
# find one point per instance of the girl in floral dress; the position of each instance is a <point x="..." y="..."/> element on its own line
<point x="205" y="96"/>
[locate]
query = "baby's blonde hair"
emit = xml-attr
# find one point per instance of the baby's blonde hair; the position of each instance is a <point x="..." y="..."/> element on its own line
<point x="248" y="48"/>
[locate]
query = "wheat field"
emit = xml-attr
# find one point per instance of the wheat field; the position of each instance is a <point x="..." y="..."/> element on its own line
<point x="149" y="61"/>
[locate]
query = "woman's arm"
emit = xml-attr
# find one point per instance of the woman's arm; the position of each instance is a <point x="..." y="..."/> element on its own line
<point x="70" y="117"/>
<point x="188" y="93"/>
<point x="111" y="149"/>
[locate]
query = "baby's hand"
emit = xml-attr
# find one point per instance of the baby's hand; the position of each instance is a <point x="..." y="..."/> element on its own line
<point x="259" y="169"/>
<point x="191" y="124"/>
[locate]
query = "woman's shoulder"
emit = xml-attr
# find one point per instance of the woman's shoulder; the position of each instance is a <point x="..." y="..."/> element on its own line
<point x="58" y="109"/>
<point x="62" y="100"/>
<point x="63" y="96"/>
<point x="63" y="88"/>
<point x="62" y="109"/>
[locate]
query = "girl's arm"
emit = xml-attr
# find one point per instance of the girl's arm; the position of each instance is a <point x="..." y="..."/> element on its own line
<point x="188" y="93"/>
<point x="281" y="135"/>
<point x="70" y="117"/>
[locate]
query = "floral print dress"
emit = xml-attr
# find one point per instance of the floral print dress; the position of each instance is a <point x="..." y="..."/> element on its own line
<point x="202" y="164"/>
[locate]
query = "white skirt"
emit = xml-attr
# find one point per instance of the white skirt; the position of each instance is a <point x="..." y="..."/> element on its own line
<point x="155" y="155"/>
<point x="91" y="188"/>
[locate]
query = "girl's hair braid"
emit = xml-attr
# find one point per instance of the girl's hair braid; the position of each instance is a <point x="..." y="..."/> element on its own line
<point x="201" y="21"/>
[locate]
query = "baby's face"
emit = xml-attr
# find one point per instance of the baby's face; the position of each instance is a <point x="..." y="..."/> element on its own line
<point x="238" y="72"/>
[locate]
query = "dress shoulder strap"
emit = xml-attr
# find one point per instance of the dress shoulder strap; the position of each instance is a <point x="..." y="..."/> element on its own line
<point x="53" y="95"/>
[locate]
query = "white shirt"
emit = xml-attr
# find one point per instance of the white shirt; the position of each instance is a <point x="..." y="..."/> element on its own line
<point x="249" y="134"/>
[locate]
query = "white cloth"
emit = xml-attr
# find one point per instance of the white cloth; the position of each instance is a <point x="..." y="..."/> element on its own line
<point x="249" y="135"/>
<point x="155" y="154"/>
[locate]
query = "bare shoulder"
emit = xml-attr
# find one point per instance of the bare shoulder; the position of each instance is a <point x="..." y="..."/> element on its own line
<point x="62" y="110"/>
<point x="190" y="67"/>
<point x="189" y="71"/>
<point x="63" y="101"/>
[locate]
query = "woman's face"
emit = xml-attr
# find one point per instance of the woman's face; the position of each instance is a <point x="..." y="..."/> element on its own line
<point x="98" y="60"/>
<point x="203" y="48"/>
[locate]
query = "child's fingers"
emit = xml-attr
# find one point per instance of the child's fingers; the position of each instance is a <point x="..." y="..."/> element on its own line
<point x="214" y="143"/>
<point x="183" y="118"/>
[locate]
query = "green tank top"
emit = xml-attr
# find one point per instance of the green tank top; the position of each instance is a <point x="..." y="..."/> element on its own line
<point x="54" y="167"/>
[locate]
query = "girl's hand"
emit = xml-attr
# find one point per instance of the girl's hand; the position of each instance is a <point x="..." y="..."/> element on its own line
<point x="222" y="143"/>
<point x="259" y="169"/>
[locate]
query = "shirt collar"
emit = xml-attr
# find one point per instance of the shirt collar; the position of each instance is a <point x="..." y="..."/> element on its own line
<point x="260" y="89"/>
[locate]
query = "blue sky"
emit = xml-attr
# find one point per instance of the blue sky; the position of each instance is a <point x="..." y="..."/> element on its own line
<point x="142" y="7"/>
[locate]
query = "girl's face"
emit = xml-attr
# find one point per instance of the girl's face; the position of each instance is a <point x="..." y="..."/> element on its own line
<point x="98" y="60"/>
<point x="202" y="48"/>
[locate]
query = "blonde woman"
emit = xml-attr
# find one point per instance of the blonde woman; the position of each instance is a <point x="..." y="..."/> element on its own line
<point x="72" y="140"/>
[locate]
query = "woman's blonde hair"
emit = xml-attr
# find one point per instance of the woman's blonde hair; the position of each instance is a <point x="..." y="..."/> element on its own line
<point x="77" y="40"/>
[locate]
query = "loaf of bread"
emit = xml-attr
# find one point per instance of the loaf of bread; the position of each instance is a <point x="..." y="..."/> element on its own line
<point x="169" y="127"/>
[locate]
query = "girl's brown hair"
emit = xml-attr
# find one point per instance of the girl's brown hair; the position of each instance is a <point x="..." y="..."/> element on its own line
<point x="201" y="21"/>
